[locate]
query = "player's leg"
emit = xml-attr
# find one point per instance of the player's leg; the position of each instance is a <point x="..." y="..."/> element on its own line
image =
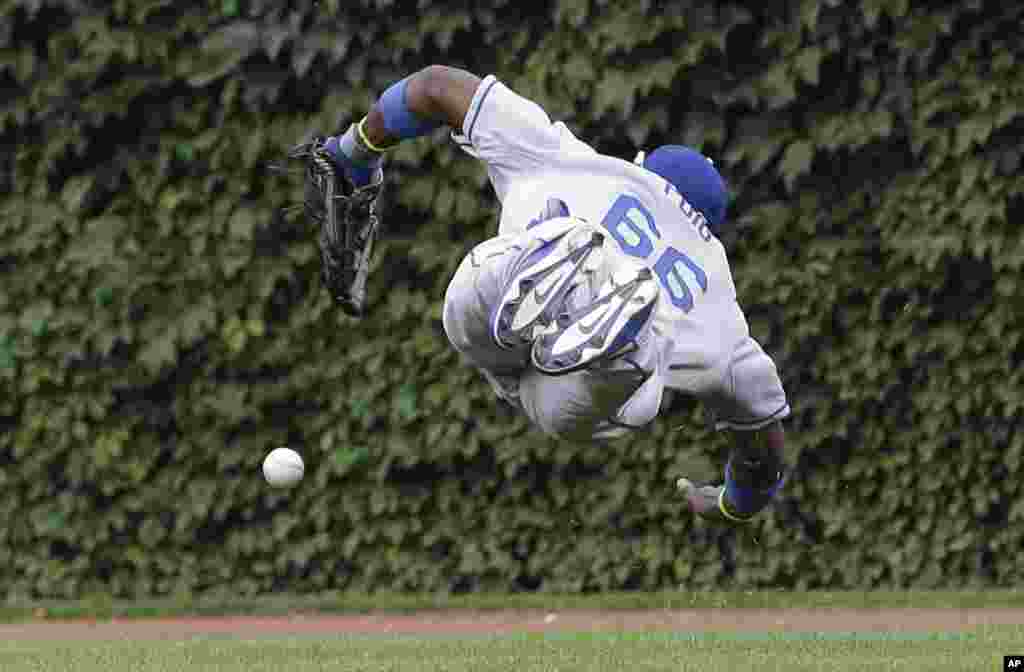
<point x="575" y="297"/>
<point x="562" y="302"/>
<point x="468" y="307"/>
<point x="597" y="370"/>
<point x="604" y="401"/>
<point x="508" y="289"/>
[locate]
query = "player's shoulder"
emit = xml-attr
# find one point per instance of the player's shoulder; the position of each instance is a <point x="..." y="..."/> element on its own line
<point x="570" y="141"/>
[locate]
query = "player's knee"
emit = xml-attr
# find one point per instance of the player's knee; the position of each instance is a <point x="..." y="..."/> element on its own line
<point x="455" y="306"/>
<point x="454" y="323"/>
<point x="581" y="407"/>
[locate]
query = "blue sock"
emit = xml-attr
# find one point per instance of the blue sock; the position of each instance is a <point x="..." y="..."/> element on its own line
<point x="745" y="500"/>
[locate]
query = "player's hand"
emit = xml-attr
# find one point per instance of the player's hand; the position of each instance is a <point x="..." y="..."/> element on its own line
<point x="707" y="502"/>
<point x="347" y="217"/>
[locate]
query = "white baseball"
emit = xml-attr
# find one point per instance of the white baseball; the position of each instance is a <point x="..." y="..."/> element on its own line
<point x="283" y="467"/>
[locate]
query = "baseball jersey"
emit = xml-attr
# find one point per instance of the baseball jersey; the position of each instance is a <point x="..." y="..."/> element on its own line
<point x="708" y="346"/>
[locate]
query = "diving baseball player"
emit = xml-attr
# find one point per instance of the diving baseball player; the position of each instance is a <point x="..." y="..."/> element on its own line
<point x="605" y="284"/>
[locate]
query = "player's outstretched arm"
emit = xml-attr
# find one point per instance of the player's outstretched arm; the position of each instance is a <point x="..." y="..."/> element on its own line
<point x="754" y="475"/>
<point x="344" y="174"/>
<point x="434" y="96"/>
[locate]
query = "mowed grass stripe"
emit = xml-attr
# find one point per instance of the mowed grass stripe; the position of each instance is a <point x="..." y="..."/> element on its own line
<point x="564" y="652"/>
<point x="101" y="607"/>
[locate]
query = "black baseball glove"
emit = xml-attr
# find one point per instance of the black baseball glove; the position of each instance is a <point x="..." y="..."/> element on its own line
<point x="348" y="220"/>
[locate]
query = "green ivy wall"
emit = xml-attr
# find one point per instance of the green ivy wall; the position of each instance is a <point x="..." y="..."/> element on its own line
<point x="160" y="328"/>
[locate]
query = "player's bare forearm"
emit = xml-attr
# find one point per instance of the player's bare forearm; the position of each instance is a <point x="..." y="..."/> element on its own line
<point x="436" y="93"/>
<point x="354" y="162"/>
<point x="410" y="108"/>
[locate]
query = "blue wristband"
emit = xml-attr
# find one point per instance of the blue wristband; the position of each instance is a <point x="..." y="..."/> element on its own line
<point x="399" y="121"/>
<point x="748" y="501"/>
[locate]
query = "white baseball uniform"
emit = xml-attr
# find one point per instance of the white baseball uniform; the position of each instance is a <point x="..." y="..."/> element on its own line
<point x="701" y="342"/>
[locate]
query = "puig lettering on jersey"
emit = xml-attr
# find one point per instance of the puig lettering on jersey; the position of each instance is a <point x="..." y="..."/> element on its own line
<point x="643" y="212"/>
<point x="689" y="212"/>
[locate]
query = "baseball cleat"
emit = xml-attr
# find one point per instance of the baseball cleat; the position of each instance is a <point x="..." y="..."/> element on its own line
<point x="607" y="326"/>
<point x="708" y="502"/>
<point x="541" y="280"/>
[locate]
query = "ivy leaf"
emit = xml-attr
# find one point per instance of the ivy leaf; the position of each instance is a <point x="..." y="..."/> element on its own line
<point x="975" y="129"/>
<point x="302" y="58"/>
<point x="230" y="402"/>
<point x="776" y="86"/>
<point x="222" y="51"/>
<point x="8" y="358"/>
<point x="360" y="408"/>
<point x="184" y="152"/>
<point x="199" y="319"/>
<point x="234" y="334"/>
<point x="40" y="327"/>
<point x="872" y="9"/>
<point x="160" y="351"/>
<point x="76" y="192"/>
<point x="809" y="10"/>
<point x="807" y="63"/>
<point x="406" y="401"/>
<point x="274" y="38"/>
<point x="796" y="161"/>
<point x="347" y="458"/>
<point x="48" y="522"/>
<point x="103" y="296"/>
<point x="242" y="223"/>
<point x="234" y="262"/>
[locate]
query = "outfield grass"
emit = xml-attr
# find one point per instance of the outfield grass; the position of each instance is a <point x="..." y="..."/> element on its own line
<point x="354" y="603"/>
<point x="977" y="651"/>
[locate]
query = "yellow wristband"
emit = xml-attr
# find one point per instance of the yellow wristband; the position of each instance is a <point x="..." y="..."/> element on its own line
<point x="725" y="511"/>
<point x="366" y="140"/>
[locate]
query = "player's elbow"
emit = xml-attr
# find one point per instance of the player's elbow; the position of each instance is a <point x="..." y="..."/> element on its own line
<point x="442" y="92"/>
<point x="432" y="83"/>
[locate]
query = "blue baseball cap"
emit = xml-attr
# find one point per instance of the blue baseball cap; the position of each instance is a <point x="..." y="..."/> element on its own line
<point x="696" y="178"/>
